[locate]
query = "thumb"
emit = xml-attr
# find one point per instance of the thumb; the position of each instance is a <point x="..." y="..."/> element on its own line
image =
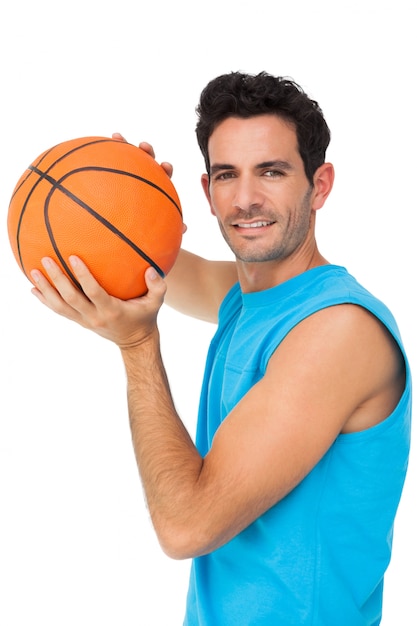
<point x="155" y="284"/>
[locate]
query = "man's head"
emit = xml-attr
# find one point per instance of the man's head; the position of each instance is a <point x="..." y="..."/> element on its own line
<point x="244" y="95"/>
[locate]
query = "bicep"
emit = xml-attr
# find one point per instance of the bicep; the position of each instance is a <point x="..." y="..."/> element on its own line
<point x="197" y="286"/>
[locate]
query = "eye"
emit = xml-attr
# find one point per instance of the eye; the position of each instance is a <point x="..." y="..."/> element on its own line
<point x="224" y="176"/>
<point x="272" y="173"/>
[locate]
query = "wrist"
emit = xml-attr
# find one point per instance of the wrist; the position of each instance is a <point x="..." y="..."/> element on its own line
<point x="136" y="344"/>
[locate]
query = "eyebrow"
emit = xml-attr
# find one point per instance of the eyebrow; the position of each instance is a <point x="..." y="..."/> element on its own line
<point x="282" y="165"/>
<point x="217" y="167"/>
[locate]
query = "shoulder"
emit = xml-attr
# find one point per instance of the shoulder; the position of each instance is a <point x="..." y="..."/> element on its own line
<point x="351" y="356"/>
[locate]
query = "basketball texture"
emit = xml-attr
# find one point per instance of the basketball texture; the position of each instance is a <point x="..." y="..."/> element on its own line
<point x="103" y="200"/>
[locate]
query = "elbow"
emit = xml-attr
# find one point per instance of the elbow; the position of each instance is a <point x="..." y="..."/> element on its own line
<point x="182" y="542"/>
<point x="176" y="551"/>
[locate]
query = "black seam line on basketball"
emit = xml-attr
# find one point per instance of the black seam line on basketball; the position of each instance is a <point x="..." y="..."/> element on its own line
<point x="97" y="216"/>
<point x="21" y="184"/>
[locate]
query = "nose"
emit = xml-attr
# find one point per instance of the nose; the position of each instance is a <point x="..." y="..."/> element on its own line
<point x="247" y="193"/>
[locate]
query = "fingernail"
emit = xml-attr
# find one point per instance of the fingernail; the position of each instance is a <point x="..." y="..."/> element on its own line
<point x="152" y="273"/>
<point x="46" y="263"/>
<point x="35" y="275"/>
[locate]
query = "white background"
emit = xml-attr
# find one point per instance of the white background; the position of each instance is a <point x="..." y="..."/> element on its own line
<point x="76" y="545"/>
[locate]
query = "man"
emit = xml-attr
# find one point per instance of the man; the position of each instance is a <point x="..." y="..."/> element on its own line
<point x="287" y="501"/>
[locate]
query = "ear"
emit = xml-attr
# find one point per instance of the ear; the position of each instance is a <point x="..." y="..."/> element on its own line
<point x="323" y="183"/>
<point x="205" y="182"/>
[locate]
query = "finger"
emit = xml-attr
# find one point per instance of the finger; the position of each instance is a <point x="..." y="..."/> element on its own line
<point x="146" y="147"/>
<point x="118" y="137"/>
<point x="91" y="288"/>
<point x="78" y="299"/>
<point x="44" y="291"/>
<point x="168" y="168"/>
<point x="156" y="286"/>
<point x="49" y="295"/>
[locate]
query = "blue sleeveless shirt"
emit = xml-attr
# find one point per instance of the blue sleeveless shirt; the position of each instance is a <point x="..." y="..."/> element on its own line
<point x="318" y="557"/>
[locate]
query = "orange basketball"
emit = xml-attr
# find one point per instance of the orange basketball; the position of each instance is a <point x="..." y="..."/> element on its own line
<point x="104" y="200"/>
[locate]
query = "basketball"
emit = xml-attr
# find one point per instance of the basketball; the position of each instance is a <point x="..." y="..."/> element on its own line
<point x="105" y="201"/>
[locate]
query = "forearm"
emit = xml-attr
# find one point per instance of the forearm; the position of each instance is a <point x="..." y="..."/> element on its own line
<point x="186" y="494"/>
<point x="169" y="463"/>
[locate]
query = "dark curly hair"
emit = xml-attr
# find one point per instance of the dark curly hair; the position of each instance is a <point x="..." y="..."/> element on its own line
<point x="245" y="95"/>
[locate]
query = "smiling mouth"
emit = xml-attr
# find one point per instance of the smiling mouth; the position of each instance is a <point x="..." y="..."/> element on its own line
<point x="247" y="225"/>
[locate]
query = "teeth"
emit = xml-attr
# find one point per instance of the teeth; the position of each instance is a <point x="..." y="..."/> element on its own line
<point x="254" y="225"/>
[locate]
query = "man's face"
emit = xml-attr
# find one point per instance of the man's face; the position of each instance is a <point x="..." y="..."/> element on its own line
<point x="257" y="187"/>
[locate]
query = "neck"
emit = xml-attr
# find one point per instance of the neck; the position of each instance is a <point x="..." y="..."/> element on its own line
<point x="265" y="275"/>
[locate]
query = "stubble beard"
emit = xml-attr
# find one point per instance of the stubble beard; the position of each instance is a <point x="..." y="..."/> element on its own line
<point x="293" y="234"/>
